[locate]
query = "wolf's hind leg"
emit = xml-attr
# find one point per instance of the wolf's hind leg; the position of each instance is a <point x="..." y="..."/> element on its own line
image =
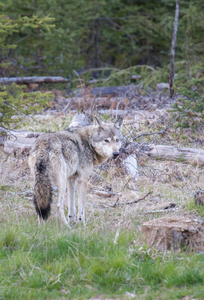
<point x="82" y="189"/>
<point x="71" y="199"/>
<point x="61" y="196"/>
<point x="41" y="222"/>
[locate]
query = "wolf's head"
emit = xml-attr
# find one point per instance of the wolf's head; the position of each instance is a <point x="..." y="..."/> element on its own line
<point x="107" y="138"/>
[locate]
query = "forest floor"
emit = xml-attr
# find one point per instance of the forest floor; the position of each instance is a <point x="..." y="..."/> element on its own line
<point x="109" y="258"/>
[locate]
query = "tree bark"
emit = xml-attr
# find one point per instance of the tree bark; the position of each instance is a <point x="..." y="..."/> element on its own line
<point x="180" y="154"/>
<point x="174" y="233"/>
<point x="173" y="45"/>
<point x="187" y="58"/>
<point x="96" y="42"/>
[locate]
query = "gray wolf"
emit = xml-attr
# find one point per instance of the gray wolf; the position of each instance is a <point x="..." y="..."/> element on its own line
<point x="66" y="158"/>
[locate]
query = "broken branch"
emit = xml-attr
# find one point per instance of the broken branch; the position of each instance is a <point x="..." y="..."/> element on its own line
<point x="131" y="202"/>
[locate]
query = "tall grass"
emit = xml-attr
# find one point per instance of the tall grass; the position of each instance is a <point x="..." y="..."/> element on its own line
<point x="50" y="262"/>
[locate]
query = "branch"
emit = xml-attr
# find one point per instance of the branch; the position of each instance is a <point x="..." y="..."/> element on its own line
<point x="131" y="202"/>
<point x="159" y="132"/>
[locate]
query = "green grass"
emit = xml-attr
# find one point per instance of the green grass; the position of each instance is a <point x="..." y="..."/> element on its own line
<point x="50" y="262"/>
<point x="198" y="209"/>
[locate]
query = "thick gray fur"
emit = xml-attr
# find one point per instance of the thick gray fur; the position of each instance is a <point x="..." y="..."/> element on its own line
<point x="68" y="157"/>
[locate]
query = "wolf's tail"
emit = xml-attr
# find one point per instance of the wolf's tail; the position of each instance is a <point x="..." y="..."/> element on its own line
<point x="42" y="188"/>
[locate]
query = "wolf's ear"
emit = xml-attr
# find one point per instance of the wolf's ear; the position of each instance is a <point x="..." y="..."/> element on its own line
<point x="96" y="121"/>
<point x="118" y="122"/>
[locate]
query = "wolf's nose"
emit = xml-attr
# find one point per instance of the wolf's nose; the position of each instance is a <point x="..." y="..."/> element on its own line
<point x="115" y="154"/>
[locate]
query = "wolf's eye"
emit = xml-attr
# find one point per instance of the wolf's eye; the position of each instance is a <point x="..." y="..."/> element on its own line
<point x="117" y="140"/>
<point x="107" y="141"/>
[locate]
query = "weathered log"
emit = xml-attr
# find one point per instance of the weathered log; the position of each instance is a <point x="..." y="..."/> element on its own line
<point x="20" y="143"/>
<point x="181" y="154"/>
<point x="29" y="80"/>
<point x="108" y="90"/>
<point x="133" y="77"/>
<point x="175" y="233"/>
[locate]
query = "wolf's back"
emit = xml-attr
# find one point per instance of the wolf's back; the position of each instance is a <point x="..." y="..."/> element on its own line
<point x="42" y="186"/>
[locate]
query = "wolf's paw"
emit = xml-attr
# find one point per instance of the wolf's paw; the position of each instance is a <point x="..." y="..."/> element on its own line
<point x="72" y="220"/>
<point x="62" y="217"/>
<point x="65" y="223"/>
<point x="81" y="220"/>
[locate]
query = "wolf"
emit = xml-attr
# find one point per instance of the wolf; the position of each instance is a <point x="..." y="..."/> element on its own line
<point x="66" y="158"/>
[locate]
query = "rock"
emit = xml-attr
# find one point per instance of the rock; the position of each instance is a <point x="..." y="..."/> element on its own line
<point x="130" y="164"/>
<point x="162" y="86"/>
<point x="79" y="120"/>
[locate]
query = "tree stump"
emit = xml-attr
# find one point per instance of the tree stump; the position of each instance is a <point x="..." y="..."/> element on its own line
<point x="199" y="198"/>
<point x="175" y="233"/>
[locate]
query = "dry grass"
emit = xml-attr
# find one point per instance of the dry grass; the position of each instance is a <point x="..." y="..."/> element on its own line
<point x="168" y="181"/>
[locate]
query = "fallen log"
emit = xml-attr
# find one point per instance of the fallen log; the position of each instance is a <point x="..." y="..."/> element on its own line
<point x="20" y="143"/>
<point x="180" y="154"/>
<point x="29" y="80"/>
<point x="108" y="91"/>
<point x="17" y="142"/>
<point x="92" y="81"/>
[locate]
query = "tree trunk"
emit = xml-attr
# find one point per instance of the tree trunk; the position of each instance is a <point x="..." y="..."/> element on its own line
<point x="175" y="233"/>
<point x="173" y="45"/>
<point x="96" y="42"/>
<point x="187" y="58"/>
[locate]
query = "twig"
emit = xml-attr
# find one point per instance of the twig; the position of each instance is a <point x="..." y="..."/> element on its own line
<point x="158" y="132"/>
<point x="131" y="202"/>
<point x="161" y="210"/>
<point x="105" y="193"/>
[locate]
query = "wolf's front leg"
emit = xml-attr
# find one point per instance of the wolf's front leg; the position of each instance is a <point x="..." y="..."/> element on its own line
<point x="82" y="189"/>
<point x="71" y="200"/>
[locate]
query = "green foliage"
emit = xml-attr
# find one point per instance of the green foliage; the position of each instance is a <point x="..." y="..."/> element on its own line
<point x="15" y="103"/>
<point x="198" y="209"/>
<point x="118" y="34"/>
<point x="190" y="108"/>
<point x="12" y="25"/>
<point x="49" y="262"/>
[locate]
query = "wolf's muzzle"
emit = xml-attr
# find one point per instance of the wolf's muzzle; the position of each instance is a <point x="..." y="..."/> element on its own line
<point x="115" y="154"/>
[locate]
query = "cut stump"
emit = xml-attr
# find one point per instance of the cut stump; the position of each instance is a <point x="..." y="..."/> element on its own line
<point x="175" y="233"/>
<point x="199" y="198"/>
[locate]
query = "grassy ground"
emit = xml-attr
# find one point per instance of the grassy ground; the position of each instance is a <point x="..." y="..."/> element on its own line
<point x="108" y="259"/>
<point x="51" y="262"/>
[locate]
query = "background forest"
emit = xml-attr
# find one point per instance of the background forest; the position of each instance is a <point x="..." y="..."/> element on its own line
<point x="49" y="37"/>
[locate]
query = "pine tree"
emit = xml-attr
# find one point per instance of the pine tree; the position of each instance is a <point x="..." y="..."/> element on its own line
<point x="13" y="99"/>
